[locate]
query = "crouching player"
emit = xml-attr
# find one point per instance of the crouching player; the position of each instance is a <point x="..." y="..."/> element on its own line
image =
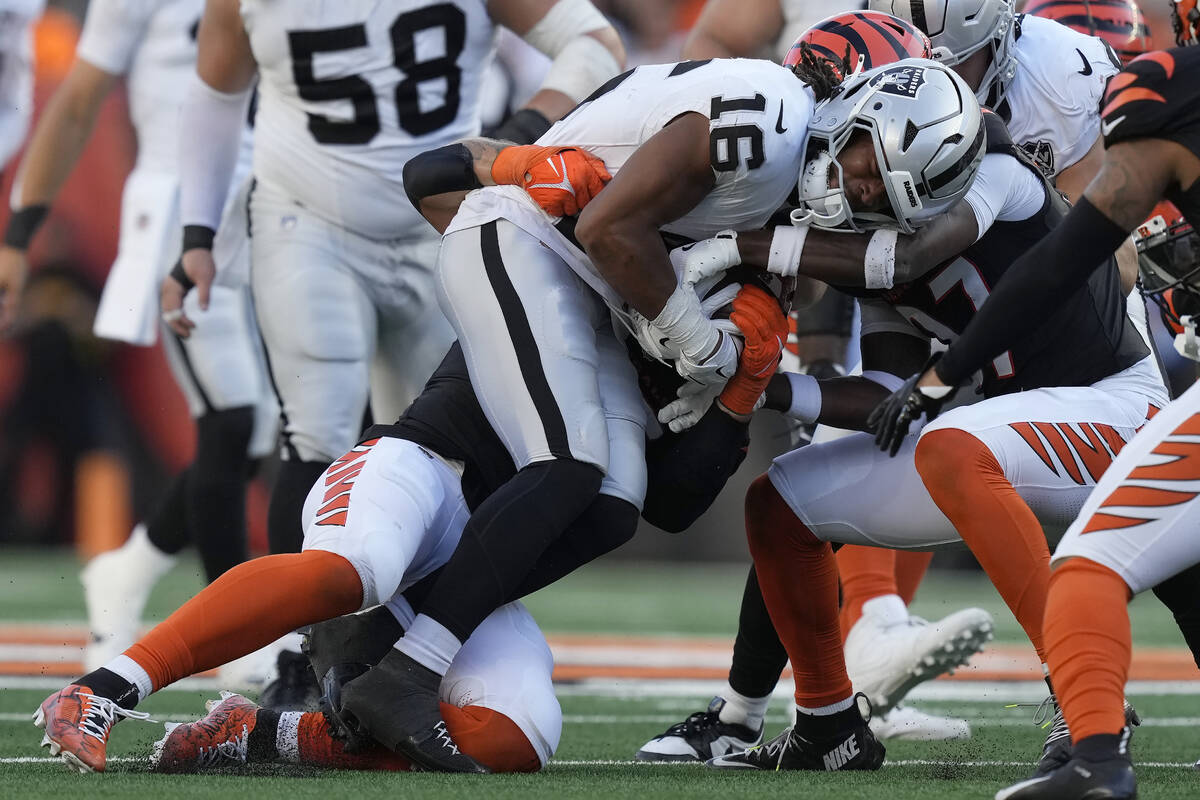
<point x="1138" y="528"/>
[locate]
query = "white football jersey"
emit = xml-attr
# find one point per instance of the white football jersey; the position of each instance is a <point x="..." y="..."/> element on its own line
<point x="16" y="72"/>
<point x="800" y="15"/>
<point x="349" y="91"/>
<point x="1054" y="99"/>
<point x="758" y="116"/>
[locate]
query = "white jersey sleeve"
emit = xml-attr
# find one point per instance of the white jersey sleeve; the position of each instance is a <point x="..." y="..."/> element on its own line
<point x="1004" y="190"/>
<point x="16" y="72"/>
<point x="112" y="32"/>
<point x="349" y="91"/>
<point x="1054" y="100"/>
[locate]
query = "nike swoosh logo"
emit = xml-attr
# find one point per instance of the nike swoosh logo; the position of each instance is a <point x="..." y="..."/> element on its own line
<point x="1087" y="65"/>
<point x="779" y="122"/>
<point x="1107" y="127"/>
<point x="563" y="184"/>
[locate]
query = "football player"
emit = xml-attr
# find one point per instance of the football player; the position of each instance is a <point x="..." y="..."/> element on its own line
<point x="221" y="371"/>
<point x="1118" y="23"/>
<point x="16" y="98"/>
<point x="385" y="515"/>
<point x="347" y="93"/>
<point x="888" y="642"/>
<point x="1137" y="528"/>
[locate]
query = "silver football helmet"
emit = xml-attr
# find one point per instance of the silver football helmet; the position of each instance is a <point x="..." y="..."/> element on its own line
<point x="928" y="136"/>
<point x="960" y="28"/>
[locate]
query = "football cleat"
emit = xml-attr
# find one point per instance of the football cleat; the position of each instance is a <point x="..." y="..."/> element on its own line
<point x="351" y="639"/>
<point x="850" y="746"/>
<point x="77" y="724"/>
<point x="907" y="723"/>
<point x="1056" y="750"/>
<point x="218" y="739"/>
<point x="116" y="585"/>
<point x="295" y="688"/>
<point x="397" y="703"/>
<point x="700" y="737"/>
<point x="886" y="655"/>
<point x="1081" y="779"/>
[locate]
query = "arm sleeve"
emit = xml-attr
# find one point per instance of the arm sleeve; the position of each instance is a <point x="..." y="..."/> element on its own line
<point x="211" y="129"/>
<point x="111" y="33"/>
<point x="1030" y="289"/>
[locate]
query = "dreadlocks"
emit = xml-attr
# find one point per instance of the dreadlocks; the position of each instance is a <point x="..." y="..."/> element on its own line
<point x="822" y="74"/>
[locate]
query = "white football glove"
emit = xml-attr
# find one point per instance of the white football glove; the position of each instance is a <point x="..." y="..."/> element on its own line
<point x="695" y="262"/>
<point x="715" y="364"/>
<point x="694" y="401"/>
<point x="655" y="342"/>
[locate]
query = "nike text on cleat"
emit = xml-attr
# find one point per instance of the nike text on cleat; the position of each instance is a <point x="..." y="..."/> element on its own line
<point x="218" y="739"/>
<point x="887" y="657"/>
<point x="850" y="747"/>
<point x="396" y="702"/>
<point x="700" y="737"/>
<point x="77" y="723"/>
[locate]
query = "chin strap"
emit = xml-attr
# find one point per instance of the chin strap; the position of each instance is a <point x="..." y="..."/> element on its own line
<point x="1186" y="343"/>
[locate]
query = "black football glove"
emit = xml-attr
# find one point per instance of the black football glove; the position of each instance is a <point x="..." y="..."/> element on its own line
<point x="891" y="418"/>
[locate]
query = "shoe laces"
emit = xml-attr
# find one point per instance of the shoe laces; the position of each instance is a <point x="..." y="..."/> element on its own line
<point x="233" y="750"/>
<point x="696" y="723"/>
<point x="443" y="736"/>
<point x="1047" y="714"/>
<point x="98" y="715"/>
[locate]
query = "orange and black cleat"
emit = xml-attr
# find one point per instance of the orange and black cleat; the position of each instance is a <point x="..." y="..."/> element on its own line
<point x="219" y="739"/>
<point x="77" y="724"/>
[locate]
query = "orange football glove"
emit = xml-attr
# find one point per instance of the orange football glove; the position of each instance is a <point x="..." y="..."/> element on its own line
<point x="562" y="180"/>
<point x="760" y="319"/>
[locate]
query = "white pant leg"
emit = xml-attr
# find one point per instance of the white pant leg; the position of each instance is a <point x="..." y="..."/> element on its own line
<point x="506" y="666"/>
<point x="413" y="334"/>
<point x="1054" y="444"/>
<point x="391" y="509"/>
<point x="317" y="322"/>
<point x="626" y="415"/>
<point x="1143" y="519"/>
<point x="528" y="328"/>
<point x="222" y="365"/>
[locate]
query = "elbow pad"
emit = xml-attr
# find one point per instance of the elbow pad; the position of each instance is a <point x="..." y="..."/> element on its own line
<point x="687" y="471"/>
<point x="446" y="169"/>
<point x="581" y="63"/>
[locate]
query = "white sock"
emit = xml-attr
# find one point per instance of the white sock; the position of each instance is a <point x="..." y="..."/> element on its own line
<point x="155" y="560"/>
<point x="287" y="737"/>
<point x="742" y="710"/>
<point x="430" y="644"/>
<point x="829" y="710"/>
<point x="886" y="609"/>
<point x="132" y="671"/>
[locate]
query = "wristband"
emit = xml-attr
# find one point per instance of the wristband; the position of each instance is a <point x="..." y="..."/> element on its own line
<point x="23" y="224"/>
<point x="445" y="169"/>
<point x="879" y="264"/>
<point x="787" y="245"/>
<point x="198" y="237"/>
<point x="806" y="397"/>
<point x="179" y="275"/>
<point x="885" y="379"/>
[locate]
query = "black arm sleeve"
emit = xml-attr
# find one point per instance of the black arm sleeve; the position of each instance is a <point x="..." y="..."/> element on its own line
<point x="446" y="169"/>
<point x="687" y="471"/>
<point x="1057" y="265"/>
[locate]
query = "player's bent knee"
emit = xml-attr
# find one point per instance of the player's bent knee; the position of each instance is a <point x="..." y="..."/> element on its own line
<point x="491" y="738"/>
<point x="948" y="454"/>
<point x="765" y="511"/>
<point x="1082" y="568"/>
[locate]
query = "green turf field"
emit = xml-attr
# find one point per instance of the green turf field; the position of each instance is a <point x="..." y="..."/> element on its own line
<point x="602" y="728"/>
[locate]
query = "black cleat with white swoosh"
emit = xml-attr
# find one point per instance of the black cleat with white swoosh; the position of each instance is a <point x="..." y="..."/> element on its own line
<point x="839" y="742"/>
<point x="1098" y="770"/>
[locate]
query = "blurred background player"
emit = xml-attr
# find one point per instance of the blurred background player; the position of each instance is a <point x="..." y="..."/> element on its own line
<point x="1117" y="23"/>
<point x="221" y="372"/>
<point x="889" y="641"/>
<point x="351" y="92"/>
<point x="16" y="83"/>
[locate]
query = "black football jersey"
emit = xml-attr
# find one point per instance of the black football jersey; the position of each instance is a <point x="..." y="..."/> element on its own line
<point x="1089" y="336"/>
<point x="447" y="419"/>
<point x="1158" y="97"/>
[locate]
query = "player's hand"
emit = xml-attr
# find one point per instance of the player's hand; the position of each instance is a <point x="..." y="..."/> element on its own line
<point x="199" y="270"/>
<point x="693" y="403"/>
<point x="923" y="393"/>
<point x="765" y="327"/>
<point x="714" y="363"/>
<point x="562" y="180"/>
<point x="695" y="262"/>
<point x="14" y="269"/>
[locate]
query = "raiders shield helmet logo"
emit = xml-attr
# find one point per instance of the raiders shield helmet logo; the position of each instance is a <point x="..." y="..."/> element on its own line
<point x="901" y="81"/>
<point x="1042" y="154"/>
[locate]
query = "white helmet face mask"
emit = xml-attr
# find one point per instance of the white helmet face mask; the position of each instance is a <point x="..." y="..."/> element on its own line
<point x="958" y="29"/>
<point x="927" y="133"/>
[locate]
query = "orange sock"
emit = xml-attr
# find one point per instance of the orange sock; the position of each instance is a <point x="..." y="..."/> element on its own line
<point x="488" y="736"/>
<point x="248" y="607"/>
<point x="865" y="572"/>
<point x="1088" y="643"/>
<point x="799" y="581"/>
<point x="968" y="485"/>
<point x="910" y="570"/>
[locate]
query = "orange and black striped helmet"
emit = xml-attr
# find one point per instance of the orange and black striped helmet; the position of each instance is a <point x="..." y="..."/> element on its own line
<point x="872" y="36"/>
<point x="1118" y="23"/>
